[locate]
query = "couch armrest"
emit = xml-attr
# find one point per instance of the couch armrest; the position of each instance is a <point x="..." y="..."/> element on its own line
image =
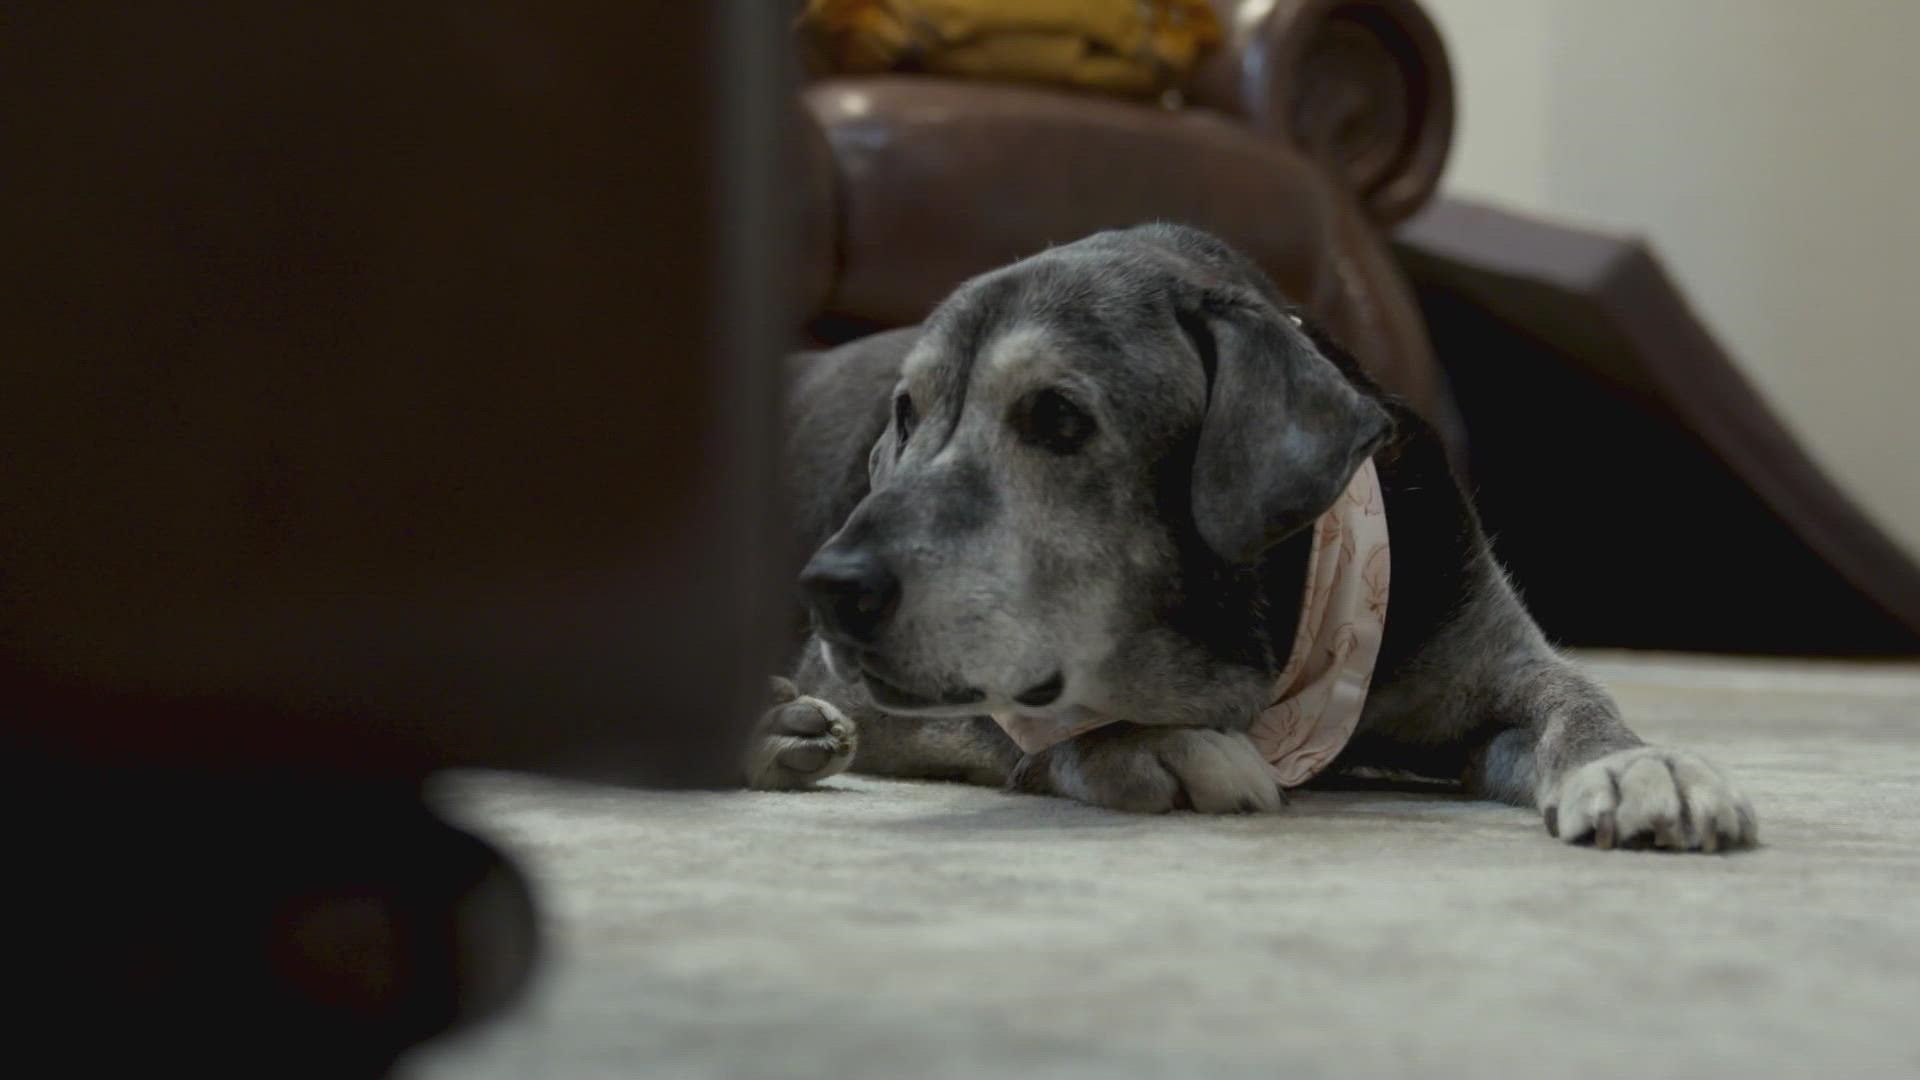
<point x="1362" y="86"/>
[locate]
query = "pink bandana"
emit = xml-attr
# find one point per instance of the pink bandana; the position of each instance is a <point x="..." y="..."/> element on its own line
<point x="1318" y="697"/>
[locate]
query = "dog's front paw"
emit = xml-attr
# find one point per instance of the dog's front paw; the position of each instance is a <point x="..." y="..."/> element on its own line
<point x="1651" y="797"/>
<point x="799" y="741"/>
<point x="1154" y="770"/>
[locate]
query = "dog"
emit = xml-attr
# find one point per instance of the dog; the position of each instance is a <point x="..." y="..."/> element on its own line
<point x="1083" y="492"/>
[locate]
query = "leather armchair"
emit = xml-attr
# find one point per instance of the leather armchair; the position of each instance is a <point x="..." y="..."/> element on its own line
<point x="1314" y="128"/>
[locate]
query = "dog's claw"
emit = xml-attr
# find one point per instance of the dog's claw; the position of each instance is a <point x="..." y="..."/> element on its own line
<point x="1666" y="834"/>
<point x="1603" y="831"/>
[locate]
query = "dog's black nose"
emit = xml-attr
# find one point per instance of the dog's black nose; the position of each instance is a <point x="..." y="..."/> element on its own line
<point x="851" y="594"/>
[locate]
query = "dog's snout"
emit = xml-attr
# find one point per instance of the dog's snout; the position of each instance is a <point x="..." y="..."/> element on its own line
<point x="852" y="594"/>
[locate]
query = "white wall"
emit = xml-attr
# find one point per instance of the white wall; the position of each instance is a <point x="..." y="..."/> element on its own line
<point x="1769" y="149"/>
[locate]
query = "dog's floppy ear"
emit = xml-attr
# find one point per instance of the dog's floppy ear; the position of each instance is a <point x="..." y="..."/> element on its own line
<point x="1284" y="429"/>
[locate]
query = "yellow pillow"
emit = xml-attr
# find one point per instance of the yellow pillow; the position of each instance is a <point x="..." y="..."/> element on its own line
<point x="1121" y="46"/>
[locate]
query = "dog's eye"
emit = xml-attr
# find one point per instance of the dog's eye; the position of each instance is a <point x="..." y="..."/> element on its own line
<point x="904" y="417"/>
<point x="1050" y="420"/>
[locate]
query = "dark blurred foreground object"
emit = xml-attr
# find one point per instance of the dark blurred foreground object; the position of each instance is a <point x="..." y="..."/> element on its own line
<point x="383" y="388"/>
<point x="1640" y="491"/>
<point x="1307" y="132"/>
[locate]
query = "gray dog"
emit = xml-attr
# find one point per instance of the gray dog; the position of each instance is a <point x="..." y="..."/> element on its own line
<point x="1084" y="488"/>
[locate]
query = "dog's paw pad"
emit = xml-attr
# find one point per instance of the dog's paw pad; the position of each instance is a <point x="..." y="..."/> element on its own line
<point x="799" y="742"/>
<point x="1650" y="797"/>
<point x="805" y="717"/>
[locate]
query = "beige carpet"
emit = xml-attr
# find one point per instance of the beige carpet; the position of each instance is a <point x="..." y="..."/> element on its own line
<point x="926" y="930"/>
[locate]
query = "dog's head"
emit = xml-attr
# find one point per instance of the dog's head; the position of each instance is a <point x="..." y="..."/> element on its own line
<point x="1076" y="438"/>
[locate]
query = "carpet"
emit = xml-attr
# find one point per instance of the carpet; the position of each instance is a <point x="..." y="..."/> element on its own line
<point x="890" y="929"/>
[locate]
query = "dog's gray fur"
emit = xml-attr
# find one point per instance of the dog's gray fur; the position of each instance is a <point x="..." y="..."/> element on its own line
<point x="1153" y="559"/>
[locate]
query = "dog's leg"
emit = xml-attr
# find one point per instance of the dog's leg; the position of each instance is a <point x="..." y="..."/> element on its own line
<point x="1594" y="780"/>
<point x="800" y="740"/>
<point x="820" y="725"/>
<point x="1557" y="742"/>
<point x="970" y="749"/>
<point x="1152" y="770"/>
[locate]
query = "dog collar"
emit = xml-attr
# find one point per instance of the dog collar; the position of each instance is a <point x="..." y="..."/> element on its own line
<point x="1322" y="688"/>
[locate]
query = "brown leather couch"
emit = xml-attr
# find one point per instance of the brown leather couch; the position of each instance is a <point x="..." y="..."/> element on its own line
<point x="1316" y="127"/>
